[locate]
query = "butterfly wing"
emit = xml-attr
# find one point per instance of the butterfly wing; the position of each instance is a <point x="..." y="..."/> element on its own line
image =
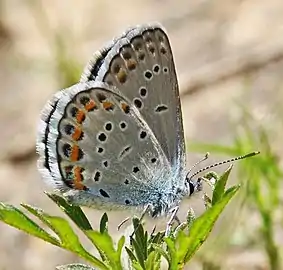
<point x="91" y="70"/>
<point x="95" y="146"/>
<point x="140" y="64"/>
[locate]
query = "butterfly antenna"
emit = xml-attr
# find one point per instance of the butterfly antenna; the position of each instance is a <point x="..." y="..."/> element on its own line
<point x="197" y="163"/>
<point x="220" y="163"/>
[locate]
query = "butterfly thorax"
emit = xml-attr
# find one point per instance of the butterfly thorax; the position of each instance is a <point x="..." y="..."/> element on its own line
<point x="163" y="206"/>
<point x="165" y="201"/>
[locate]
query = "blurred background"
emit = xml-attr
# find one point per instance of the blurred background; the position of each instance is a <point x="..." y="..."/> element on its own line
<point x="229" y="59"/>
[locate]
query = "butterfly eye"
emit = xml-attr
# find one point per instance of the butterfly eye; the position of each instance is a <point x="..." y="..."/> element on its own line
<point x="192" y="187"/>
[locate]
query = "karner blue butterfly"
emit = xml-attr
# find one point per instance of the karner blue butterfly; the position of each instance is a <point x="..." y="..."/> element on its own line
<point x="115" y="140"/>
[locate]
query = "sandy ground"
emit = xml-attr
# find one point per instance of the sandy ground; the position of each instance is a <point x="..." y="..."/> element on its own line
<point x="226" y="51"/>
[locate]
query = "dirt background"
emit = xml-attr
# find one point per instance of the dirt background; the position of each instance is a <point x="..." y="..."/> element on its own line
<point x="226" y="51"/>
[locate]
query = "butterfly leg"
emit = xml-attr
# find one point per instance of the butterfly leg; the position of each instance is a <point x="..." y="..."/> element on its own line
<point x="171" y="220"/>
<point x="145" y="210"/>
<point x="122" y="223"/>
<point x="128" y="218"/>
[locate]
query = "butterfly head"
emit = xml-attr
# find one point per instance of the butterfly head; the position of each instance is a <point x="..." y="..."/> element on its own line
<point x="195" y="186"/>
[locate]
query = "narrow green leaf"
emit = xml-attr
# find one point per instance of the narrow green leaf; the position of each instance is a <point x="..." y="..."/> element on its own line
<point x="153" y="261"/>
<point x="136" y="266"/>
<point x="16" y="218"/>
<point x="120" y="245"/>
<point x="201" y="228"/>
<point x="131" y="255"/>
<point x="74" y="212"/>
<point x="162" y="252"/>
<point x="139" y="252"/>
<point x="157" y="238"/>
<point x="140" y="242"/>
<point x="69" y="240"/>
<point x="104" y="243"/>
<point x="172" y="252"/>
<point x="220" y="185"/>
<point x="104" y="223"/>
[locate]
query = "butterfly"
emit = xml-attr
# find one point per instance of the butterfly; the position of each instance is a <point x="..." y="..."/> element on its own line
<point x="115" y="139"/>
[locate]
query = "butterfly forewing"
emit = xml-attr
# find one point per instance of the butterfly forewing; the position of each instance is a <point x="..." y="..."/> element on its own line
<point x="140" y="64"/>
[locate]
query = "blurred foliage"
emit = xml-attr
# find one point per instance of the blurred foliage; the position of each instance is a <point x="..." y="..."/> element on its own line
<point x="67" y="67"/>
<point x="144" y="250"/>
<point x="262" y="190"/>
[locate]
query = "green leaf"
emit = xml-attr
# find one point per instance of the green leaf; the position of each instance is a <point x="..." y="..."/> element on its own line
<point x="104" y="243"/>
<point x="104" y="223"/>
<point x="69" y="240"/>
<point x="201" y="228"/>
<point x="74" y="212"/>
<point x="172" y="252"/>
<point x="16" y="218"/>
<point x="131" y="255"/>
<point x="153" y="261"/>
<point x="162" y="252"/>
<point x="157" y="238"/>
<point x="136" y="266"/>
<point x="220" y="185"/>
<point x="140" y="242"/>
<point x="120" y="245"/>
<point x="139" y="252"/>
<point x="74" y="266"/>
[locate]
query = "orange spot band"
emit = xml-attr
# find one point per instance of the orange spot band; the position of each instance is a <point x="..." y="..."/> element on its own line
<point x="77" y="134"/>
<point x="122" y="76"/>
<point x="90" y="105"/>
<point x="107" y="105"/>
<point x="78" y="178"/>
<point x="80" y="116"/>
<point x="125" y="107"/>
<point x="75" y="153"/>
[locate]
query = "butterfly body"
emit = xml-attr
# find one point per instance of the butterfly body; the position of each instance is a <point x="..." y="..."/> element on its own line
<point x="115" y="140"/>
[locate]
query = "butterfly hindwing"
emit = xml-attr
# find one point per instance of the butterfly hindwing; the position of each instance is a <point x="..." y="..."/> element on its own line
<point x="100" y="149"/>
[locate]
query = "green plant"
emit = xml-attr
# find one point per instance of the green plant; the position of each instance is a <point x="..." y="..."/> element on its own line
<point x="143" y="251"/>
<point x="262" y="191"/>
